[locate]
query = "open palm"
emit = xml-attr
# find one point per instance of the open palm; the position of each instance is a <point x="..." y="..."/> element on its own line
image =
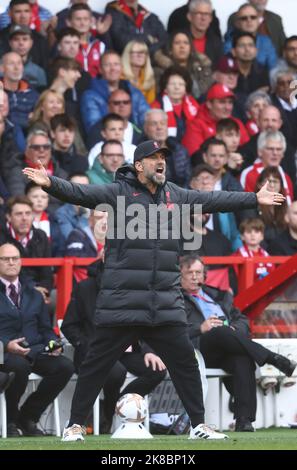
<point x="38" y="175"/>
<point x="269" y="198"/>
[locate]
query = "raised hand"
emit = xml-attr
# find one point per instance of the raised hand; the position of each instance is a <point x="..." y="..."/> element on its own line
<point x="38" y="175"/>
<point x="103" y="24"/>
<point x="269" y="198"/>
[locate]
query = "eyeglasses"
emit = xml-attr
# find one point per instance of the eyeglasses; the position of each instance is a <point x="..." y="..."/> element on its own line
<point x="113" y="155"/>
<point x="37" y="147"/>
<point x="6" y="259"/>
<point x="118" y="102"/>
<point x="247" y="17"/>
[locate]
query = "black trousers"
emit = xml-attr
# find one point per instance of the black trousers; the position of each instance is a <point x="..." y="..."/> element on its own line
<point x="171" y="343"/>
<point x="147" y="379"/>
<point x="56" y="372"/>
<point x="235" y="353"/>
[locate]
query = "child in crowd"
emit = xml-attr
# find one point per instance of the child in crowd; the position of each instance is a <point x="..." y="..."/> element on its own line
<point x="64" y="151"/>
<point x="39" y="199"/>
<point x="113" y="127"/>
<point x="252" y="234"/>
<point x="229" y="132"/>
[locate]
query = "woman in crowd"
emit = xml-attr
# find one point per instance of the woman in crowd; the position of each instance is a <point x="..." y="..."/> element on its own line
<point x="138" y="70"/>
<point x="274" y="216"/>
<point x="176" y="101"/>
<point x="181" y="52"/>
<point x="49" y="104"/>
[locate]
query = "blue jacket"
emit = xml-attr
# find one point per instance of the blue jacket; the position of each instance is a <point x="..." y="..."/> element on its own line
<point x="31" y="320"/>
<point x="266" y="52"/>
<point x="21" y="104"/>
<point x="94" y="103"/>
<point x="69" y="219"/>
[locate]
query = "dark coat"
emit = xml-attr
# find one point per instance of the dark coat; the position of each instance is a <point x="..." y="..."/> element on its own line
<point x="123" y="29"/>
<point x="31" y="320"/>
<point x="141" y="278"/>
<point x="78" y="323"/>
<point x="39" y="52"/>
<point x="178" y="163"/>
<point x="71" y="162"/>
<point x="283" y="245"/>
<point x="178" y="21"/>
<point x="195" y="317"/>
<point x="37" y="247"/>
<point x="79" y="244"/>
<point x="16" y="181"/>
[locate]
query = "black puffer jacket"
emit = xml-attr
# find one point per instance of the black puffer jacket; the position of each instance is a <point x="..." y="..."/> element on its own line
<point x="141" y="280"/>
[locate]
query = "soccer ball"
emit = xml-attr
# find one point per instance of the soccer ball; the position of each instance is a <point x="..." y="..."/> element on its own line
<point x="131" y="408"/>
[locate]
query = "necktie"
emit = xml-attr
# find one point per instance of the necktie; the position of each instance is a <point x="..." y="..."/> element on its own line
<point x="14" y="297"/>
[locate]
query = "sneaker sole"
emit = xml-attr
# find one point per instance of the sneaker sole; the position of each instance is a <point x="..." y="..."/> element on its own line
<point x="72" y="439"/>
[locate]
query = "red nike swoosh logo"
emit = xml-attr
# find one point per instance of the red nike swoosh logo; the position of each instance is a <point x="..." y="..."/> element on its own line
<point x="136" y="194"/>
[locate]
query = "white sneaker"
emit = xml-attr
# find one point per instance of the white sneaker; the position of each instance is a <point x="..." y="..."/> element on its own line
<point x="76" y="432"/>
<point x="203" y="431"/>
<point x="267" y="383"/>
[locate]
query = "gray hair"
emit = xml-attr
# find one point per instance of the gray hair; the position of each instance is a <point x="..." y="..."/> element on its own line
<point x="256" y="95"/>
<point x="195" y="3"/>
<point x="278" y="72"/>
<point x="151" y="111"/>
<point x="35" y="133"/>
<point x="271" y="135"/>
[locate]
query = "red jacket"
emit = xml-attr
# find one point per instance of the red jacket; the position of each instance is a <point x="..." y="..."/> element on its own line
<point x="249" y="176"/>
<point x="204" y="126"/>
<point x="89" y="57"/>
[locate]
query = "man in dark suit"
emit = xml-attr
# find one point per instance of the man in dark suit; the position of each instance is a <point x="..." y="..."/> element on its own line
<point x="221" y="332"/>
<point x="25" y="332"/>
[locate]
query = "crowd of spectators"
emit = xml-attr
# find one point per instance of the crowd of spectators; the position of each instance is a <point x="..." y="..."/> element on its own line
<point x="81" y="88"/>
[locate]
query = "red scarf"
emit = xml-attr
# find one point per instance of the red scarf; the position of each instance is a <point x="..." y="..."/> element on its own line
<point x="261" y="269"/>
<point x="137" y="19"/>
<point x="14" y="235"/>
<point x="189" y="111"/>
<point x="49" y="168"/>
<point x="35" y="18"/>
<point x="43" y="224"/>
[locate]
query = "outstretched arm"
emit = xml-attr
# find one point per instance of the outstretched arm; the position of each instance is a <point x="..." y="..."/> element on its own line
<point x="229" y="201"/>
<point x="86" y="195"/>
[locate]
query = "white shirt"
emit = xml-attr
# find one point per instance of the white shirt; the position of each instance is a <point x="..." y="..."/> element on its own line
<point x="128" y="150"/>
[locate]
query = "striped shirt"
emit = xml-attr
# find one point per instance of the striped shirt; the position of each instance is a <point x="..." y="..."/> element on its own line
<point x="44" y="15"/>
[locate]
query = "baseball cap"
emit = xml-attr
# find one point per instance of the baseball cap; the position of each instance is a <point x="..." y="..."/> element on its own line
<point x="19" y="29"/>
<point x="148" y="148"/>
<point x="227" y="64"/>
<point x="219" y="91"/>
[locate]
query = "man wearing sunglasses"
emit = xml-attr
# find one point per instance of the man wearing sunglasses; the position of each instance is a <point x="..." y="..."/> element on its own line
<point x="246" y="20"/>
<point x="38" y="147"/>
<point x="270" y="24"/>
